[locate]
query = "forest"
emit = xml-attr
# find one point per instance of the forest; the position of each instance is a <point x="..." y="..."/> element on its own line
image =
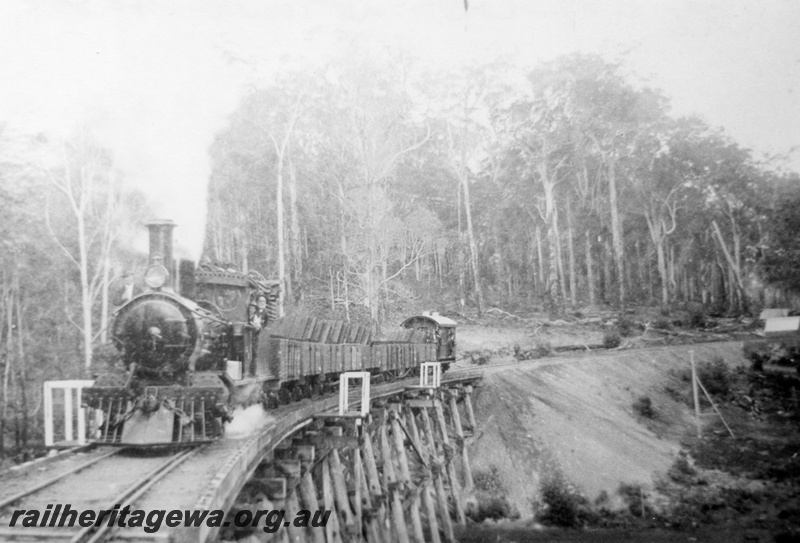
<point x="375" y="186"/>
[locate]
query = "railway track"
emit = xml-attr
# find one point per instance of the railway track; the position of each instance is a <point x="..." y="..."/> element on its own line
<point x="49" y="473"/>
<point x="571" y="356"/>
<point x="118" y="477"/>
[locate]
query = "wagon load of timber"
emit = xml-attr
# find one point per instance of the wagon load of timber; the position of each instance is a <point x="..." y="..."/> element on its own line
<point x="320" y="330"/>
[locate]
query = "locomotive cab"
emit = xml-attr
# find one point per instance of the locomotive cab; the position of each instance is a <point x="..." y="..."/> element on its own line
<point x="223" y="292"/>
<point x="232" y="296"/>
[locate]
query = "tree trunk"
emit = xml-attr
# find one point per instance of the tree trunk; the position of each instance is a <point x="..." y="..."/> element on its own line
<point x="104" y="299"/>
<point x="9" y="306"/>
<point x="86" y="295"/>
<point x="573" y="282"/>
<point x="473" y="246"/>
<point x="657" y="236"/>
<point x="280" y="234"/>
<point x="607" y="258"/>
<point x="462" y="280"/>
<point x="735" y="271"/>
<point x="245" y="250"/>
<point x="531" y="264"/>
<point x="662" y="272"/>
<point x="344" y="266"/>
<point x="280" y="151"/>
<point x="21" y="371"/>
<point x="540" y="253"/>
<point x="550" y="216"/>
<point x="559" y="257"/>
<point x="296" y="243"/>
<point x="640" y="271"/>
<point x="333" y="296"/>
<point x="616" y="229"/>
<point x="590" y="281"/>
<point x="106" y="273"/>
<point x="673" y="283"/>
<point x="650" y="286"/>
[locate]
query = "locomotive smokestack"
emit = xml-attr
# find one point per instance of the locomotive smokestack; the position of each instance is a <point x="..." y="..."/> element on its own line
<point x="160" y="254"/>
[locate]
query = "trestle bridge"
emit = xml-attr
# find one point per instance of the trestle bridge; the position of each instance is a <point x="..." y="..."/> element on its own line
<point x="391" y="465"/>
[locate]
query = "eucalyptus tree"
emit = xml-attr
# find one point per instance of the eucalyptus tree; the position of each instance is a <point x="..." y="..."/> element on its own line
<point x="460" y="102"/>
<point x="566" y="133"/>
<point x="54" y="194"/>
<point x="660" y="177"/>
<point x="86" y="183"/>
<point x="20" y="199"/>
<point x="736" y="197"/>
<point x="780" y="246"/>
<point x="370" y="127"/>
<point x="247" y="223"/>
<point x="618" y="123"/>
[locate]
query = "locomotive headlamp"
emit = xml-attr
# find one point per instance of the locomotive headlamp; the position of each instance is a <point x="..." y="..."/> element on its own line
<point x="156" y="276"/>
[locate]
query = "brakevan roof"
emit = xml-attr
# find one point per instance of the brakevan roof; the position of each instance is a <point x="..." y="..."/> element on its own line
<point x="435" y="317"/>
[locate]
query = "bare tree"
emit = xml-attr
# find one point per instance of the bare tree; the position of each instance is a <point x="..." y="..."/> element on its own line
<point x="281" y="144"/>
<point x="82" y="174"/>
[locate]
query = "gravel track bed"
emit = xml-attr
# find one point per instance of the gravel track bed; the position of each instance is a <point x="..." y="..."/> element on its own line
<point x="90" y="489"/>
<point x="15" y="481"/>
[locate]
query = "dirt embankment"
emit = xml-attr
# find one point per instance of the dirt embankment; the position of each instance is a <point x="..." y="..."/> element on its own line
<point x="575" y="419"/>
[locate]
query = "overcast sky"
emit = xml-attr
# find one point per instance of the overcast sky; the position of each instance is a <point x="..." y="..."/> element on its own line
<point x="156" y="80"/>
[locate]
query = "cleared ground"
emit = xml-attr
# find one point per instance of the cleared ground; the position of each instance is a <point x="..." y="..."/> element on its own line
<point x="634" y="468"/>
<point x="575" y="417"/>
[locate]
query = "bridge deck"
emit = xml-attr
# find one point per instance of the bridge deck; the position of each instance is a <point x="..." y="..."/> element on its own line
<point x="214" y="476"/>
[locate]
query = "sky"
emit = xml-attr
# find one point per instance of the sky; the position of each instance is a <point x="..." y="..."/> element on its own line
<point x="155" y="81"/>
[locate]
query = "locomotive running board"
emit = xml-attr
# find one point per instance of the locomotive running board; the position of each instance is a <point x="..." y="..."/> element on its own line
<point x="143" y="428"/>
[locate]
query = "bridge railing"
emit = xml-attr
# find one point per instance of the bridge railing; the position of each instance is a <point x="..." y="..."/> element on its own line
<point x="74" y="416"/>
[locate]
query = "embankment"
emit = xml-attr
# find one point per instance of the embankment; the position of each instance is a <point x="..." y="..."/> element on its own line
<point x="574" y="418"/>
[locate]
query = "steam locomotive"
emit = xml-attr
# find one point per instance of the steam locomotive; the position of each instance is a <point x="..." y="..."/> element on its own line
<point x="185" y="365"/>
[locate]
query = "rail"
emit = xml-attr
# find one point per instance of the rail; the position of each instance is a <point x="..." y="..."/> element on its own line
<point x="93" y="533"/>
<point x="221" y="491"/>
<point x="53" y="480"/>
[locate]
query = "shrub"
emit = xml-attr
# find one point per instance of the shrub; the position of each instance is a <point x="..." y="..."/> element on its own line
<point x="636" y="499"/>
<point x="626" y="327"/>
<point x="477" y="357"/>
<point x="662" y="324"/>
<point x="564" y="506"/>
<point x="673" y="393"/>
<point x="611" y="339"/>
<point x="488" y="481"/>
<point x="715" y="376"/>
<point x="697" y="318"/>
<point x="681" y="471"/>
<point x="490" y="501"/>
<point x="543" y="348"/>
<point x="644" y="407"/>
<point x="757" y="353"/>
<point x="602" y="499"/>
<point x="493" y="507"/>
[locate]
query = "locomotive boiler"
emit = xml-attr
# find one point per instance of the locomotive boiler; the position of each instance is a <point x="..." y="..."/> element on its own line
<point x="185" y="364"/>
